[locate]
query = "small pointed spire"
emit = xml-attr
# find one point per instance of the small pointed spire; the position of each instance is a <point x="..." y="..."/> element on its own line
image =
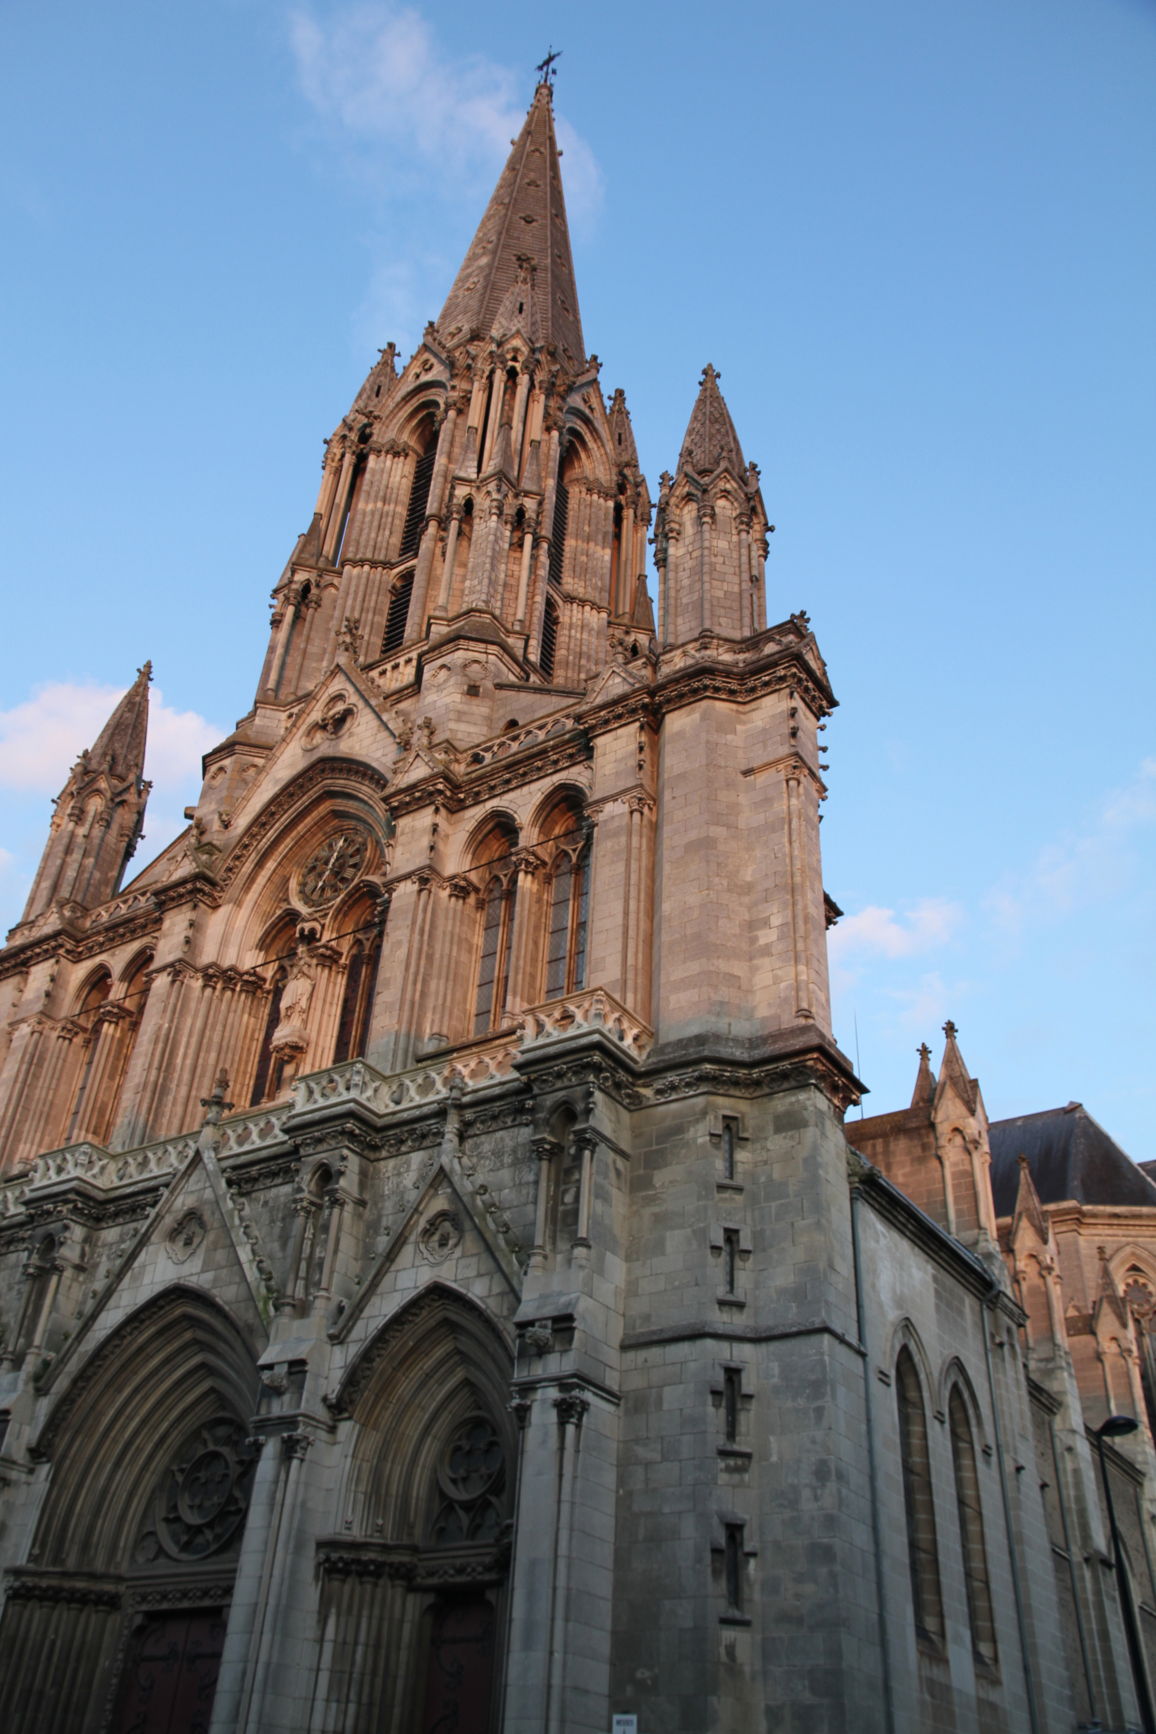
<point x="120" y="745"/>
<point x="1028" y="1208"/>
<point x="523" y="232"/>
<point x="622" y="431"/>
<point x="83" y="860"/>
<point x="711" y="443"/>
<point x="924" y="1092"/>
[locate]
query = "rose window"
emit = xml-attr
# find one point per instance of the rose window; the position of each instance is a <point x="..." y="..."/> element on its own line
<point x="201" y="1502"/>
<point x="470" y="1477"/>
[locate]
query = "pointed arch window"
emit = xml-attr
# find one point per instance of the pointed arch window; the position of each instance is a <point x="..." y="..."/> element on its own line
<point x="357" y="998"/>
<point x="415" y="512"/>
<point x="922" y="1544"/>
<point x="88" y="1015"/>
<point x="397" y="619"/>
<point x="497" y="948"/>
<point x="499" y="901"/>
<point x="267" y="1077"/>
<point x="969" y="1506"/>
<point x="569" y="908"/>
<point x="352" y="496"/>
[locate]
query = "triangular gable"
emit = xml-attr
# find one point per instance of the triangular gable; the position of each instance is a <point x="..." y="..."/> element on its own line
<point x="341" y="717"/>
<point x="193" y="1237"/>
<point x="446" y="1225"/>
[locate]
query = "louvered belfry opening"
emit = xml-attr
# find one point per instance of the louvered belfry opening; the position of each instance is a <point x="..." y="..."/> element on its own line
<point x="549" y="648"/>
<point x="397" y="619"/>
<point x="558" y="532"/>
<point x="418" y="500"/>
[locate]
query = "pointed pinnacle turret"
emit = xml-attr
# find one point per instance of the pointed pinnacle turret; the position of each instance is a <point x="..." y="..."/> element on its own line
<point x="954" y="1072"/>
<point x="622" y="431"/>
<point x="711" y="443"/>
<point x="522" y="241"/>
<point x="120" y="746"/>
<point x="99" y="811"/>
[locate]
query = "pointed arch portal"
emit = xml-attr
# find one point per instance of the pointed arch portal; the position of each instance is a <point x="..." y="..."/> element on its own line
<point x="119" y="1624"/>
<point x="413" y="1595"/>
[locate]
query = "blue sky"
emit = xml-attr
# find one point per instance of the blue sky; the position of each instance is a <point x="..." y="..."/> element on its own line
<point x="916" y="240"/>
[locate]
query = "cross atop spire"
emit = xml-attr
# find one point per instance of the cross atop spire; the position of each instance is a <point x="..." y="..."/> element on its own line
<point x="523" y="237"/>
<point x="545" y="68"/>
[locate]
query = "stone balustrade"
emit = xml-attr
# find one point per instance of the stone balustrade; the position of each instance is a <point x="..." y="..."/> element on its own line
<point x="461" y="1071"/>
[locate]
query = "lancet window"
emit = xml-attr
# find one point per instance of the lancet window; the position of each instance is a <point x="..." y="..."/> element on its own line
<point x="922" y="1546"/>
<point x="361" y="965"/>
<point x="109" y="1020"/>
<point x="567" y="844"/>
<point x="499" y="900"/>
<point x="353" y="493"/>
<point x="967" y="1499"/>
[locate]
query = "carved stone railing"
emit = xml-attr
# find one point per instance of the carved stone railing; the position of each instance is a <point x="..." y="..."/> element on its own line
<point x="549" y="728"/>
<point x="128" y="904"/>
<point x="593" y="1010"/>
<point x="465" y="1070"/>
<point x="241" y="1132"/>
<point x="356" y="1081"/>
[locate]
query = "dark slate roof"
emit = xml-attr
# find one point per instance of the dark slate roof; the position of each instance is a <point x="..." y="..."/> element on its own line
<point x="1070" y="1156"/>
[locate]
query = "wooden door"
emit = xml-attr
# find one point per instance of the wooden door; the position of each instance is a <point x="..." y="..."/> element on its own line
<point x="170" y="1674"/>
<point x="460" y="1671"/>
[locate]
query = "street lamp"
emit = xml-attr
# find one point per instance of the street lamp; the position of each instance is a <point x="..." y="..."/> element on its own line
<point x="1117" y="1427"/>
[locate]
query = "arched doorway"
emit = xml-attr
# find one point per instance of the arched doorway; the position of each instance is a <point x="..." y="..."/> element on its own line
<point x="117" y="1621"/>
<point x="413" y="1597"/>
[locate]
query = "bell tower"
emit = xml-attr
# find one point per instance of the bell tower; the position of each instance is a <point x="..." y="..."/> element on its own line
<point x="484" y="497"/>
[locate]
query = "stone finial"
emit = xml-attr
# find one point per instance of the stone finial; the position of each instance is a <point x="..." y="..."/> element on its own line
<point x="924" y="1093"/>
<point x="215" y="1105"/>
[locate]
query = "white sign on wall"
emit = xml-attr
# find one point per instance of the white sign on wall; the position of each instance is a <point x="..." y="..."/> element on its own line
<point x="624" y="1725"/>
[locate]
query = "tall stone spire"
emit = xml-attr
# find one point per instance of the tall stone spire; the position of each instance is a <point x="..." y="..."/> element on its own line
<point x="522" y="244"/>
<point x="99" y="811"/>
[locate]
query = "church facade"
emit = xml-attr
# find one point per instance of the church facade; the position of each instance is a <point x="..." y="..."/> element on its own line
<point x="438" y="1288"/>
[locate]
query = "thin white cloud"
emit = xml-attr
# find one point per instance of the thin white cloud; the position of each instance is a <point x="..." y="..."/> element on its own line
<point x="880" y="932"/>
<point x="1081" y="868"/>
<point x="41" y="738"/>
<point x="377" y="71"/>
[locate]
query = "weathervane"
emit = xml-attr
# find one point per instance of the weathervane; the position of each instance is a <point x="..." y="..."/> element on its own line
<point x="546" y="67"/>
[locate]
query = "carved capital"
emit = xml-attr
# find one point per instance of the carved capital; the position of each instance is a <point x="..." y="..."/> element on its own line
<point x="571" y="1408"/>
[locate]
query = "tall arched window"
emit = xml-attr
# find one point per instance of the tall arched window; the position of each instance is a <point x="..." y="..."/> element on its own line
<point x="922" y="1546"/>
<point x="353" y="493"/>
<point x="267" y="1078"/>
<point x="397" y="618"/>
<point x="967" y="1499"/>
<point x="569" y="897"/>
<point x="361" y="966"/>
<point x="88" y="1016"/>
<point x="415" y="512"/>
<point x="498" y="905"/>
